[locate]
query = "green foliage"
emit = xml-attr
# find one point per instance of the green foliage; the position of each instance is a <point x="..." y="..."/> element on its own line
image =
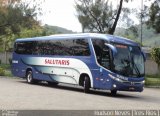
<point x="155" y="54"/>
<point x="133" y="30"/>
<point x="153" y="76"/>
<point x="2" y="72"/>
<point x="152" y="80"/>
<point x="130" y="33"/>
<point x="154" y="16"/>
<point x="8" y="73"/>
<point x="149" y="37"/>
<point x="149" y="81"/>
<point x="17" y="15"/>
<point x="7" y="39"/>
<point x="5" y="66"/>
<point x="7" y="69"/>
<point x="26" y="33"/>
<point x="18" y="19"/>
<point x="152" y="41"/>
<point x="50" y="30"/>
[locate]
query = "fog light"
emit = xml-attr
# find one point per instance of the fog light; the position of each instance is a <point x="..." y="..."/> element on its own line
<point x="114" y="85"/>
<point x="143" y="82"/>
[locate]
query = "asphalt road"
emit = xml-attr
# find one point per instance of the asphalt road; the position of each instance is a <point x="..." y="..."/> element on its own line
<point x="16" y="94"/>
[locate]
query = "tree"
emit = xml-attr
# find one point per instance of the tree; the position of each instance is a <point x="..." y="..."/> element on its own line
<point x="132" y="32"/>
<point x="98" y="15"/>
<point x="7" y="41"/>
<point x="15" y="17"/>
<point x="154" y="16"/>
<point x="155" y="53"/>
<point x="26" y="33"/>
<point x="16" y="14"/>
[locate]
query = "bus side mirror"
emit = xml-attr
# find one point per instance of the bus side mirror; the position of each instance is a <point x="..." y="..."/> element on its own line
<point x="144" y="56"/>
<point x="113" y="48"/>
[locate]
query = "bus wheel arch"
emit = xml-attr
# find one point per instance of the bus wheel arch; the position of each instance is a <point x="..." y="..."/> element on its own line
<point x="85" y="81"/>
<point x="28" y="69"/>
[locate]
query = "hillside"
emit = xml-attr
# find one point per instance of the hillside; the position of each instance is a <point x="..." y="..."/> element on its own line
<point x="56" y="30"/>
<point x="150" y="38"/>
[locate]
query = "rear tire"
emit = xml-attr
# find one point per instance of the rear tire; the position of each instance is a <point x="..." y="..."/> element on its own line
<point x="29" y="78"/>
<point x="86" y="84"/>
<point x="52" y="83"/>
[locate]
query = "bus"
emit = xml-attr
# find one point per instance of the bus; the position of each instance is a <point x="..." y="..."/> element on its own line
<point x="90" y="60"/>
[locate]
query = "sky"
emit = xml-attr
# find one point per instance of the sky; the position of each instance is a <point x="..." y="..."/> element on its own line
<point x="60" y="13"/>
<point x="63" y="14"/>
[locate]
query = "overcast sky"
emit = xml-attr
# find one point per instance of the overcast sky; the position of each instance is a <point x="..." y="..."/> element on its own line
<point x="62" y="13"/>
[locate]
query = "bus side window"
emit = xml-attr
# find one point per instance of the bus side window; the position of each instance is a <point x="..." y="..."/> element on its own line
<point x="81" y="47"/>
<point x="21" y="48"/>
<point x="25" y="48"/>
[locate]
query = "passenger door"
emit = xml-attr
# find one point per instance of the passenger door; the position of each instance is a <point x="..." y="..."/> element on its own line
<point x="102" y="53"/>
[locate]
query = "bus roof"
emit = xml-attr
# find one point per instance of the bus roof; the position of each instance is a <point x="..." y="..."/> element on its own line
<point x="109" y="38"/>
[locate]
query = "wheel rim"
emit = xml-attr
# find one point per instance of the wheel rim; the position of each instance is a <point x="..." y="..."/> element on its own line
<point x="29" y="78"/>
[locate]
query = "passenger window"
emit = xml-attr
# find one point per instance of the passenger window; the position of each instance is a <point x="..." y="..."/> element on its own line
<point x="81" y="47"/>
<point x="67" y="47"/>
<point x="24" y="47"/>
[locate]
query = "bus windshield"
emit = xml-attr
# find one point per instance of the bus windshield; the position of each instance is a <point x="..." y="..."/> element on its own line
<point x="128" y="61"/>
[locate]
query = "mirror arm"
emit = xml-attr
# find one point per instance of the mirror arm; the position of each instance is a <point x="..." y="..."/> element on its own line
<point x="114" y="50"/>
<point x="144" y="56"/>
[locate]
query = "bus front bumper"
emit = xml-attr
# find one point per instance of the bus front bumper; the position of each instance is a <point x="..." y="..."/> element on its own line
<point x="127" y="86"/>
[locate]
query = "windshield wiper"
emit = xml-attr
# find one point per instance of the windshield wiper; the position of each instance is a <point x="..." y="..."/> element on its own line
<point x="135" y="67"/>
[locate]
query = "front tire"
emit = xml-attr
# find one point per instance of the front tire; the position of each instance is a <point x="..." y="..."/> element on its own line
<point x="113" y="92"/>
<point x="29" y="78"/>
<point x="86" y="85"/>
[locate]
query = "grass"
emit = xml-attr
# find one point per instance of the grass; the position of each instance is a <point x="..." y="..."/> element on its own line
<point x="152" y="80"/>
<point x="7" y="69"/>
<point x="153" y="76"/>
<point x="5" y="66"/>
<point x="8" y="73"/>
